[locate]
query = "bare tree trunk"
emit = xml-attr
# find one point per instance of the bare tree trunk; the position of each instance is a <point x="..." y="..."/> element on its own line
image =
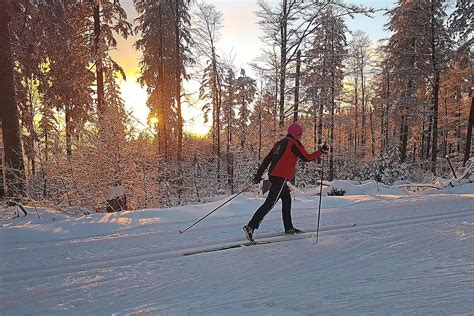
<point x="98" y="64"/>
<point x="283" y="61"/>
<point x="356" y="115"/>
<point x="372" y="130"/>
<point x="467" y="150"/>
<point x="403" y="137"/>
<point x="320" y="119"/>
<point x="315" y="119"/>
<point x="178" y="97"/>
<point x="445" y="125"/>
<point x="382" y="128"/>
<point x="434" y="61"/>
<point x="15" y="173"/>
<point x="69" y="129"/>
<point x="217" y="101"/>
<point x="363" y="104"/>
<point x="297" y="86"/>
<point x="275" y="107"/>
<point x="428" y="137"/>
<point x="423" y="141"/>
<point x="160" y="94"/>
<point x="331" y="133"/>
<point x="458" y="115"/>
<point x="387" y="107"/>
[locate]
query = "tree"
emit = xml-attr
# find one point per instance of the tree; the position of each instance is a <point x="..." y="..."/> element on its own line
<point x="419" y="48"/>
<point x="325" y="70"/>
<point x="404" y="48"/>
<point x="229" y="103"/>
<point x="183" y="43"/>
<point x="157" y="23"/>
<point x="288" y="25"/>
<point x="461" y="25"/>
<point x="208" y="23"/>
<point x="15" y="173"/>
<point x="359" y="54"/>
<point x="382" y="97"/>
<point x="246" y="88"/>
<point x="109" y="18"/>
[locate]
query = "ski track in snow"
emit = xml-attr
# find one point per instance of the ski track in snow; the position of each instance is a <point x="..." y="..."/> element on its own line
<point x="407" y="255"/>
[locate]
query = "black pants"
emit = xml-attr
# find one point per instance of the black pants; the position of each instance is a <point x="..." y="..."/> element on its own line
<point x="278" y="189"/>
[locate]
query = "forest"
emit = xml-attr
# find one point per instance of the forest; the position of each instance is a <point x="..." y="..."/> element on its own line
<point x="390" y="110"/>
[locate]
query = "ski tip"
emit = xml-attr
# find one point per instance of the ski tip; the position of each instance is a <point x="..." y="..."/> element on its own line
<point x="179" y="232"/>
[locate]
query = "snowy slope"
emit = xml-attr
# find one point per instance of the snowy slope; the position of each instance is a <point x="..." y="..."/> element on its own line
<point x="408" y="254"/>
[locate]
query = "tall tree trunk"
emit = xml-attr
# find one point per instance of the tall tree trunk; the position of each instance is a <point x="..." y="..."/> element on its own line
<point x="356" y="114"/>
<point x="458" y="116"/>
<point x="404" y="123"/>
<point x="446" y="124"/>
<point x="363" y="105"/>
<point x="435" y="65"/>
<point x="98" y="63"/>
<point x="372" y="131"/>
<point x="297" y="86"/>
<point x="470" y="123"/>
<point x="67" y="118"/>
<point x="428" y="135"/>
<point x="178" y="81"/>
<point x="382" y="128"/>
<point x="387" y="108"/>
<point x="331" y="135"/>
<point x="2" y="180"/>
<point x="15" y="173"/>
<point x="275" y="107"/>
<point x="423" y="141"/>
<point x="178" y="96"/>
<point x="283" y="62"/>
<point x="216" y="100"/>
<point x="162" y="84"/>
<point x="315" y="119"/>
<point x="320" y="119"/>
<point x="230" y="156"/>
<point x="331" y="132"/>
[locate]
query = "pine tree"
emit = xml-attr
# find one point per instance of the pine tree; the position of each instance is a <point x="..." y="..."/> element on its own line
<point x="159" y="22"/>
<point x="245" y="93"/>
<point x="109" y="19"/>
<point x="229" y="104"/>
<point x="461" y="24"/>
<point x="419" y="47"/>
<point x="325" y="70"/>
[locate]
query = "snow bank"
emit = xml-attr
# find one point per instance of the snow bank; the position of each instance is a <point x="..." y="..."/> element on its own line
<point x="364" y="188"/>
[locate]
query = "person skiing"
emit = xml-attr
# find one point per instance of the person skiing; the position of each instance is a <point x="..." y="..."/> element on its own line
<point x="282" y="160"/>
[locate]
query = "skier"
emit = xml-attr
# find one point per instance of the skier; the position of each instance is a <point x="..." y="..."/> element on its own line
<point x="282" y="160"/>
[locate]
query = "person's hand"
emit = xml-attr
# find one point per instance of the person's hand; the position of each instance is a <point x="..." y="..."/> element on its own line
<point x="324" y="149"/>
<point x="257" y="178"/>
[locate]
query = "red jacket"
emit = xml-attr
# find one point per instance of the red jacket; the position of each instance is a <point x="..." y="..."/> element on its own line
<point x="283" y="157"/>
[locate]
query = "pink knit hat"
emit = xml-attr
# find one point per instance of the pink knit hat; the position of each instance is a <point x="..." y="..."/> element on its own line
<point x="295" y="129"/>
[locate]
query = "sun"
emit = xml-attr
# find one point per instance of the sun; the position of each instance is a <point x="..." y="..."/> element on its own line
<point x="135" y="97"/>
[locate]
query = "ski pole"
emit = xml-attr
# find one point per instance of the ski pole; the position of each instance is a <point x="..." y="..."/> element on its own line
<point x="320" y="196"/>
<point x="183" y="231"/>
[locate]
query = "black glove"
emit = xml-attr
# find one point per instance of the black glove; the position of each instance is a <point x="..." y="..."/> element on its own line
<point x="257" y="178"/>
<point x="324" y="149"/>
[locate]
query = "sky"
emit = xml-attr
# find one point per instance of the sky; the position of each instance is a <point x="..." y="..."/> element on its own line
<point x="240" y="38"/>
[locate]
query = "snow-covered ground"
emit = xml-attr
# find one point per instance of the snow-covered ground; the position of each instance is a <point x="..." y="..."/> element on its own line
<point x="408" y="254"/>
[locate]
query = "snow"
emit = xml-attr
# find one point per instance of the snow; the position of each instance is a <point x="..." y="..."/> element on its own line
<point x="409" y="253"/>
<point x="115" y="192"/>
